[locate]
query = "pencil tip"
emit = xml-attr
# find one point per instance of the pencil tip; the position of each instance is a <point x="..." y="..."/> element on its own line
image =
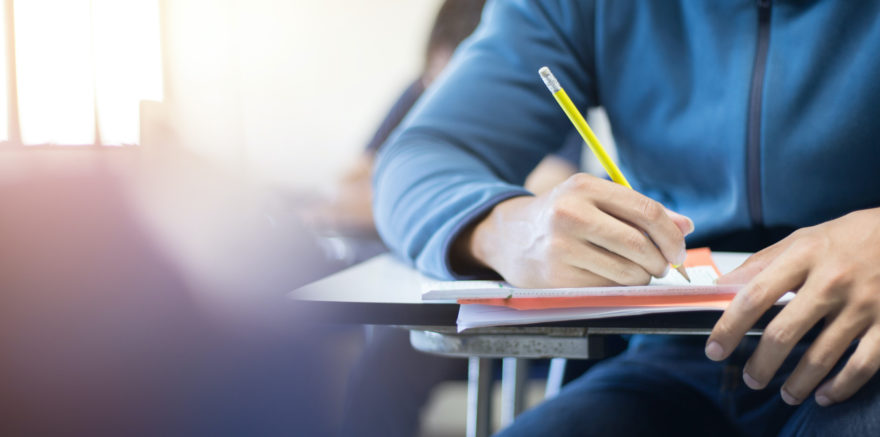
<point x="683" y="271"/>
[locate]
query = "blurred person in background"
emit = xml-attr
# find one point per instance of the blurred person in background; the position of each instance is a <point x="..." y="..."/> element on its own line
<point x="348" y="210"/>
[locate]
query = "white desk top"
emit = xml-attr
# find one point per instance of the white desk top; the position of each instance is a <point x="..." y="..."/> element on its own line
<point x="384" y="279"/>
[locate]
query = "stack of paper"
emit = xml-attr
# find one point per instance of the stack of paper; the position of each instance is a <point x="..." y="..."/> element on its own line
<point x="493" y="303"/>
<point x="481" y="316"/>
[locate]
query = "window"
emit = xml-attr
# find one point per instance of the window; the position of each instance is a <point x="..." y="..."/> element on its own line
<point x="77" y="70"/>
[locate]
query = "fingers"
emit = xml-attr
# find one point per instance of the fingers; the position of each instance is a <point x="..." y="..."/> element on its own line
<point x="781" y="335"/>
<point x="621" y="221"/>
<point x="858" y="370"/>
<point x="646" y="214"/>
<point x="840" y="264"/>
<point x="751" y="302"/>
<point x="627" y="242"/>
<point x="821" y="357"/>
<point x="611" y="267"/>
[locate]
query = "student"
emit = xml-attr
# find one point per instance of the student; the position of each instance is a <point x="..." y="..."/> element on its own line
<point x="749" y="119"/>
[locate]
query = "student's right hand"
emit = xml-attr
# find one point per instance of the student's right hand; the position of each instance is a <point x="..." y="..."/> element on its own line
<point x="586" y="232"/>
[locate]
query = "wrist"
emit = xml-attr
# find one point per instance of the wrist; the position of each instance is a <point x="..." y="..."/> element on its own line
<point x="479" y="245"/>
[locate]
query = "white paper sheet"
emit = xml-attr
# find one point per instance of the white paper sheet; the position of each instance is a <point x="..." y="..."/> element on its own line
<point x="702" y="281"/>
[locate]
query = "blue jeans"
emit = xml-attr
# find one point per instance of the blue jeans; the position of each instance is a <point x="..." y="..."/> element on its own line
<point x="666" y="386"/>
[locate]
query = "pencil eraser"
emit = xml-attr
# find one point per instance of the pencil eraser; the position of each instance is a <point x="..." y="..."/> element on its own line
<point x="549" y="79"/>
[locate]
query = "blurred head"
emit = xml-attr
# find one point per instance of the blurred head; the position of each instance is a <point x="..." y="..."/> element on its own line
<point x="455" y="21"/>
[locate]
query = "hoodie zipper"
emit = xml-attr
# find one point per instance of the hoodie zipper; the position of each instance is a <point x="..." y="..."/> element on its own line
<point x="753" y="136"/>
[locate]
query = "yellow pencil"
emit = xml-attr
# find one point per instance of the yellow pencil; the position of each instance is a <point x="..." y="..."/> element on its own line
<point x="589" y="137"/>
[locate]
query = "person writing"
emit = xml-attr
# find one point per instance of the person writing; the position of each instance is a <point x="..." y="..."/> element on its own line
<point x="742" y="126"/>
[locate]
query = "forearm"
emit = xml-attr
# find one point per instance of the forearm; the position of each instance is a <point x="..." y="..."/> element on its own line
<point x="426" y="194"/>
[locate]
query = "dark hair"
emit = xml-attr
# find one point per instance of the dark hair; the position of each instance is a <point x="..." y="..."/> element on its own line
<point x="455" y="20"/>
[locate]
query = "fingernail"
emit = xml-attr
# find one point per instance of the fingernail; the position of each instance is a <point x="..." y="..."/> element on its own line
<point x="674" y="215"/>
<point x="691" y="226"/>
<point x="752" y="383"/>
<point x="788" y="398"/>
<point x="714" y="351"/>
<point x="821" y="395"/>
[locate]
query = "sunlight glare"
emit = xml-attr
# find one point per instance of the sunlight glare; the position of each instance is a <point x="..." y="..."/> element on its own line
<point x="74" y="54"/>
<point x="4" y="96"/>
<point x="128" y="65"/>
<point x="55" y="72"/>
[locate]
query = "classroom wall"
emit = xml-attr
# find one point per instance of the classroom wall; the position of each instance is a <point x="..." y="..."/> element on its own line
<point x="287" y="90"/>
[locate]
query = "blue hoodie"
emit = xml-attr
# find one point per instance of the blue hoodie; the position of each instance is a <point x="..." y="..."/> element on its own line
<point x="739" y="114"/>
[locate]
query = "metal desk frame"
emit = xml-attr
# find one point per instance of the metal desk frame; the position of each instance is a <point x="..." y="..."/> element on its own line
<point x="383" y="291"/>
<point x="515" y="346"/>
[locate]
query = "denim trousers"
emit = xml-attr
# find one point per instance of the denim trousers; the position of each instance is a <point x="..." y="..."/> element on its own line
<point x="665" y="385"/>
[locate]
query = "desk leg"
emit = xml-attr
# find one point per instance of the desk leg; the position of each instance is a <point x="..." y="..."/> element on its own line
<point x="514" y="373"/>
<point x="479" y="407"/>
<point x="555" y="377"/>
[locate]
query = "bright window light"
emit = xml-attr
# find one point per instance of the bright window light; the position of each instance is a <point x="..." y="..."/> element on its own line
<point x="4" y="79"/>
<point x="78" y="60"/>
<point x="55" y="74"/>
<point x="127" y="65"/>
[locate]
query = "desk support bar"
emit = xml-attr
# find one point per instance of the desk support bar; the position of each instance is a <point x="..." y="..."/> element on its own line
<point x="555" y="377"/>
<point x="510" y="345"/>
<point x="514" y="374"/>
<point x="479" y="397"/>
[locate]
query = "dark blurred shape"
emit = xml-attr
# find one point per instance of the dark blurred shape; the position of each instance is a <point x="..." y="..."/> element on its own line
<point x="455" y="21"/>
<point x="105" y="329"/>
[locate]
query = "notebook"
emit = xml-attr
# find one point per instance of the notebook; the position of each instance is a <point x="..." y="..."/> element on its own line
<point x="672" y="289"/>
<point x="496" y="303"/>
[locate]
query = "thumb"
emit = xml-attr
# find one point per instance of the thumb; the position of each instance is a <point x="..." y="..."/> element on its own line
<point x="685" y="224"/>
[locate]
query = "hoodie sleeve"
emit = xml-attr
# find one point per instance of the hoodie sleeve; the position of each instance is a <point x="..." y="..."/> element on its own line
<point x="482" y="127"/>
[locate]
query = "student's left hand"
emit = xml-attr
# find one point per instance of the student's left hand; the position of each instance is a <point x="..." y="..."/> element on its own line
<point x="835" y="269"/>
